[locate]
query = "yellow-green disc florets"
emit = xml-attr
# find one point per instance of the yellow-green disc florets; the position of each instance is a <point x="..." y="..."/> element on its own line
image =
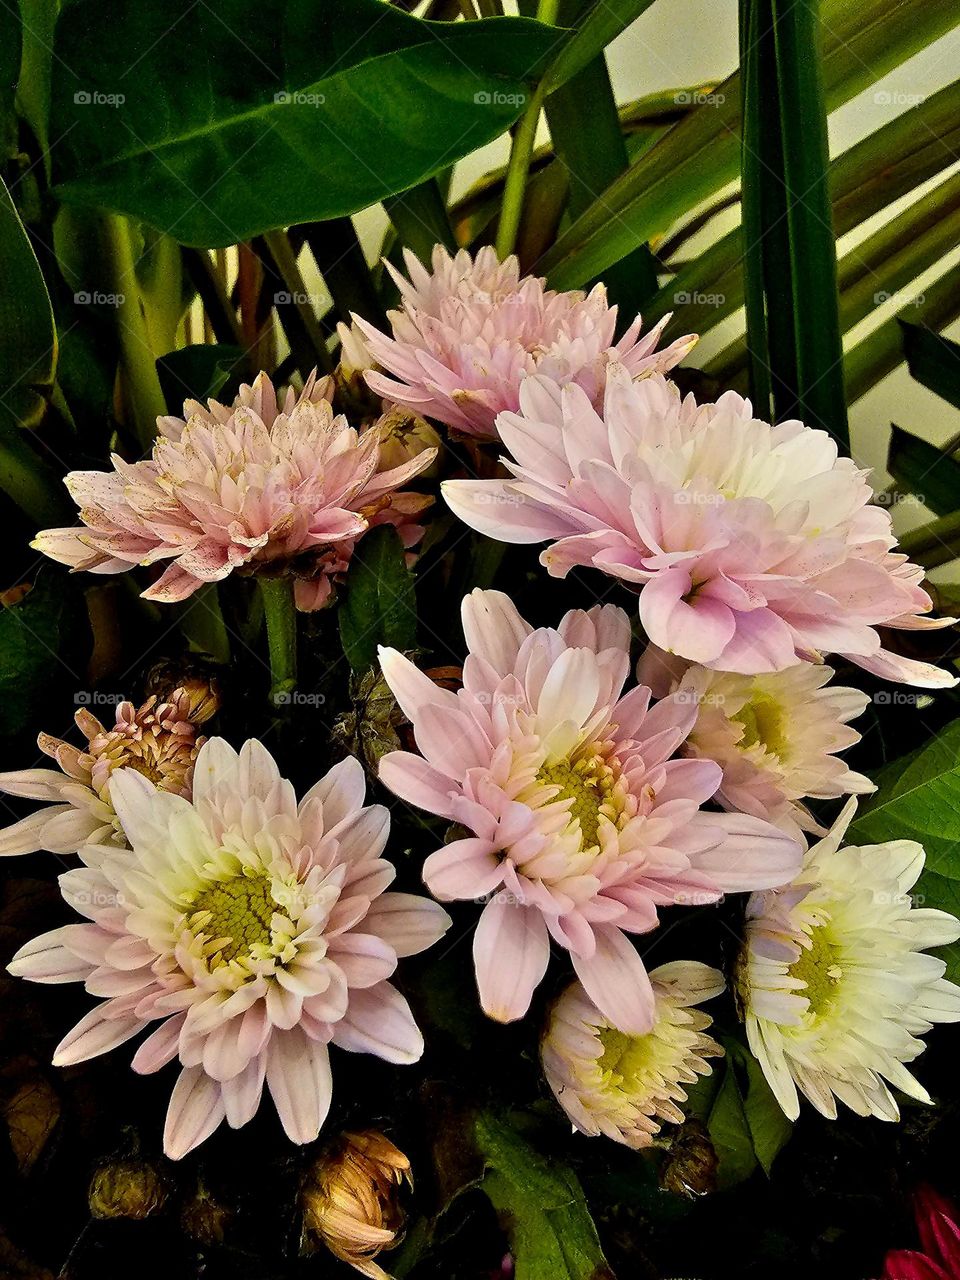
<point x="763" y="722"/>
<point x="818" y="967"/>
<point x="240" y="909"/>
<point x="589" y="784"/>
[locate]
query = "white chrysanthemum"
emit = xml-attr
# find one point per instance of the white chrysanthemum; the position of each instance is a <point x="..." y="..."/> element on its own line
<point x="833" y="980"/>
<point x="625" y="1086"/>
<point x="774" y="736"/>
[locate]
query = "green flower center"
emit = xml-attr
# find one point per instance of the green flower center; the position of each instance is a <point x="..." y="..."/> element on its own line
<point x="764" y="723"/>
<point x="819" y="968"/>
<point x="589" y="785"/>
<point x="240" y="909"/>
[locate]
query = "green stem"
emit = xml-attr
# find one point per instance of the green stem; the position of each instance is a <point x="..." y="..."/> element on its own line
<point x="281" y="619"/>
<point x="137" y="358"/>
<point x="515" y="187"/>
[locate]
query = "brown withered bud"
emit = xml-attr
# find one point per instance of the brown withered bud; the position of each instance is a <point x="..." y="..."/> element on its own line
<point x="351" y="1200"/>
<point x="691" y="1167"/>
<point x="126" y="1189"/>
<point x="403" y="437"/>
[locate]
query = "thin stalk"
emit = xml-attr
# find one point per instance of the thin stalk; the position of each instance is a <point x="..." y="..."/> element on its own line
<point x="468" y="11"/>
<point x="519" y="167"/>
<point x="286" y="261"/>
<point x="281" y="619"/>
<point x="935" y="543"/>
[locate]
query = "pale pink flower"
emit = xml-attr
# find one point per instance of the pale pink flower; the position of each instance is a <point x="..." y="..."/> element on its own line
<point x="583" y="823"/>
<point x="253" y="930"/>
<point x="158" y="739"/>
<point x="752" y="547"/>
<point x="246" y="487"/>
<point x="470" y="332"/>
<point x="626" y="1087"/>
<point x="774" y="735"/>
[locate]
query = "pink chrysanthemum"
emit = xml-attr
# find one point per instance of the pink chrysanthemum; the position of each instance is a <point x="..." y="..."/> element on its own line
<point x="774" y="735"/>
<point x="254" y="930"/>
<point x="471" y="331"/>
<point x="247" y="487"/>
<point x="753" y="547"/>
<point x="583" y="823"/>
<point x="159" y="740"/>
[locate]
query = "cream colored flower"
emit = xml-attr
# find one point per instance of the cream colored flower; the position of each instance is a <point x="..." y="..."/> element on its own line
<point x="626" y="1086"/>
<point x="833" y="981"/>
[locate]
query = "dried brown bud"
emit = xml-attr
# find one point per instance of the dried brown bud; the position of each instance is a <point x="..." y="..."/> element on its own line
<point x="126" y="1189"/>
<point x="350" y="1200"/>
<point x="205" y="1218"/>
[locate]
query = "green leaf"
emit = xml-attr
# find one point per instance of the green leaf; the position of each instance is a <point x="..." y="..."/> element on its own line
<point x="10" y="47"/>
<point x="730" y="1132"/>
<point x="934" y="361"/>
<point x="600" y="25"/>
<point x="770" y="1130"/>
<point x="940" y="893"/>
<point x="698" y="155"/>
<point x="420" y="218"/>
<point x="542" y="1207"/>
<point x="922" y="469"/>
<point x="921" y="802"/>
<point x="33" y="90"/>
<point x="379" y="604"/>
<point x="793" y="318"/>
<point x="197" y="372"/>
<point x="28" y="339"/>
<point x="219" y="123"/>
<point x="29" y="644"/>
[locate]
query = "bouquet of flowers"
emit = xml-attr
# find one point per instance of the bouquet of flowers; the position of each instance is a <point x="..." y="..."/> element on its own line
<point x="510" y="822"/>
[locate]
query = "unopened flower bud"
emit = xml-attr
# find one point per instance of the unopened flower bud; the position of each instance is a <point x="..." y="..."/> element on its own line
<point x="351" y="1200"/>
<point x="126" y="1189"/>
<point x="404" y="436"/>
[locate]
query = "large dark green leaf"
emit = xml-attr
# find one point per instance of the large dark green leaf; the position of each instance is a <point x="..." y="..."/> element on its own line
<point x="790" y="260"/>
<point x="541" y="1203"/>
<point x="30" y="636"/>
<point x="216" y="123"/>
<point x="922" y="469"/>
<point x="934" y="361"/>
<point x="920" y="802"/>
<point x="28" y="340"/>
<point x="379" y="605"/>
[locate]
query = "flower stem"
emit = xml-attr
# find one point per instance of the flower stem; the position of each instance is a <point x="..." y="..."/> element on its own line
<point x="511" y="210"/>
<point x="281" y="619"/>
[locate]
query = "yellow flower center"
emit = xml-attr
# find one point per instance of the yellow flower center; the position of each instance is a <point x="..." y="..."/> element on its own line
<point x="589" y="784"/>
<point x="764" y="723"/>
<point x="819" y="968"/>
<point x="240" y="909"/>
